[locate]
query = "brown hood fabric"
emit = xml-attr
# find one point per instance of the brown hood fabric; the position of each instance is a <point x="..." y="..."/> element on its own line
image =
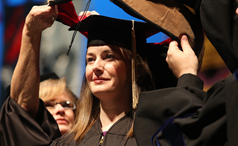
<point x="171" y="16"/>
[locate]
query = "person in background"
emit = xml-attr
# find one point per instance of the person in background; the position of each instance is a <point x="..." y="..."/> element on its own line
<point x="31" y="123"/>
<point x="60" y="101"/>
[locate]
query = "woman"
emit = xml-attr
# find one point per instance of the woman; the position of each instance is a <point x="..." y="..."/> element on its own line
<point x="105" y="113"/>
<point x="31" y="123"/>
<point x="60" y="101"/>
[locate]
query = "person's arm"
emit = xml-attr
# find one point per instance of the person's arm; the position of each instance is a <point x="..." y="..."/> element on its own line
<point x="25" y="79"/>
<point x="182" y="61"/>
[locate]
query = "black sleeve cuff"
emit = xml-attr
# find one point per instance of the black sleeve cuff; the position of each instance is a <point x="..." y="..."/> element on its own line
<point x="190" y="80"/>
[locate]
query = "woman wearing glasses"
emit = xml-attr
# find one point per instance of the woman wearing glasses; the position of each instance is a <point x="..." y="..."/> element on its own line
<point x="23" y="118"/>
<point x="60" y="102"/>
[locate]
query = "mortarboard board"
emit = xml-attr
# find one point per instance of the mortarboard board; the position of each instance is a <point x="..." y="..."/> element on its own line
<point x="103" y="30"/>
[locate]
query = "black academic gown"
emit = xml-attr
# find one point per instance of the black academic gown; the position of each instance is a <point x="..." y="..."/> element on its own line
<point x="211" y="123"/>
<point x="116" y="135"/>
<point x="18" y="128"/>
<point x="220" y="23"/>
<point x="155" y="107"/>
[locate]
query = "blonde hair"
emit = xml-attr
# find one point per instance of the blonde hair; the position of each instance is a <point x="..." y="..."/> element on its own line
<point x="51" y="88"/>
<point x="88" y="106"/>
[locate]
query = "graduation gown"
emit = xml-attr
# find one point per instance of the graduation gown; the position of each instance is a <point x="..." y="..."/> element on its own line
<point x="18" y="128"/>
<point x="181" y="119"/>
<point x="115" y="136"/>
<point x="155" y="107"/>
<point x="220" y="23"/>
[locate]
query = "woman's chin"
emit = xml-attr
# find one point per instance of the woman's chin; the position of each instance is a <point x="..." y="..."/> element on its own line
<point x="63" y="129"/>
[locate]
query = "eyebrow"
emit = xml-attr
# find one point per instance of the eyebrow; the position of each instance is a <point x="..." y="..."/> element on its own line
<point x="105" y="51"/>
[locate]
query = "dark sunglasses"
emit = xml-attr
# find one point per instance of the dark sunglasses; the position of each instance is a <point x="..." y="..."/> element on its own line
<point x="65" y="104"/>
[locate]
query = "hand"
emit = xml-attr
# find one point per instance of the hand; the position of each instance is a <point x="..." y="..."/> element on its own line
<point x="40" y="18"/>
<point x="237" y="11"/>
<point x="88" y="13"/>
<point x="182" y="62"/>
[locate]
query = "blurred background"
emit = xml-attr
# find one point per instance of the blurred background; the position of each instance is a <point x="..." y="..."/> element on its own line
<point x="56" y="40"/>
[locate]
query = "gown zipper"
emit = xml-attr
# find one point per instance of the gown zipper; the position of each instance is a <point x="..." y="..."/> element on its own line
<point x="101" y="140"/>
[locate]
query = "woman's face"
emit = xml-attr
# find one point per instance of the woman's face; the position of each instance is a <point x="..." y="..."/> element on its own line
<point x="108" y="71"/>
<point x="64" y="117"/>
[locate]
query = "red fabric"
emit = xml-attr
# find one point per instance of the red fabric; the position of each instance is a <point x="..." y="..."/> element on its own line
<point x="165" y="42"/>
<point x="13" y="34"/>
<point x="68" y="16"/>
<point x="14" y="49"/>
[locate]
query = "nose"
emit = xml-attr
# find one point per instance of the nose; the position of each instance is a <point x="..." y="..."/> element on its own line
<point x="98" y="66"/>
<point x="59" y="109"/>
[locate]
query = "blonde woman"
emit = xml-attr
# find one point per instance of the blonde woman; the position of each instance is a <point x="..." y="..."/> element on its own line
<point x="60" y="101"/>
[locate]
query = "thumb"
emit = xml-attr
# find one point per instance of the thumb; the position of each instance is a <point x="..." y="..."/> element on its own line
<point x="184" y="43"/>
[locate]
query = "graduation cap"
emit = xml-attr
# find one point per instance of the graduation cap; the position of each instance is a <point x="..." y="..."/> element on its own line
<point x="102" y="30"/>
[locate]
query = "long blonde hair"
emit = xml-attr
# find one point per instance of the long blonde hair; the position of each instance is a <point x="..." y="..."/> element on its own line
<point x="88" y="106"/>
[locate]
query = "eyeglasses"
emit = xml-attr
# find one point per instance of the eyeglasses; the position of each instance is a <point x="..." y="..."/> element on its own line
<point x="65" y="104"/>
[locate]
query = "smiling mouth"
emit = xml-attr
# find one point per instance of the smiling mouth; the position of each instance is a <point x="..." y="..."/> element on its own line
<point x="99" y="81"/>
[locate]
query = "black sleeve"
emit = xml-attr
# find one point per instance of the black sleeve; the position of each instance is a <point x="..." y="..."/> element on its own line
<point x="17" y="128"/>
<point x="193" y="84"/>
<point x="155" y="107"/>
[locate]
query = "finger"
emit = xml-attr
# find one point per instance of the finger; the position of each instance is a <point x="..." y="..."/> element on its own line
<point x="172" y="46"/>
<point x="94" y="13"/>
<point x="56" y="11"/>
<point x="84" y="13"/>
<point x="81" y="13"/>
<point x="88" y="13"/>
<point x="185" y="44"/>
<point x="237" y="11"/>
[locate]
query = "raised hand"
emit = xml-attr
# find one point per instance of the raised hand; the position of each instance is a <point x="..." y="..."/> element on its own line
<point x="40" y="18"/>
<point x="182" y="61"/>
